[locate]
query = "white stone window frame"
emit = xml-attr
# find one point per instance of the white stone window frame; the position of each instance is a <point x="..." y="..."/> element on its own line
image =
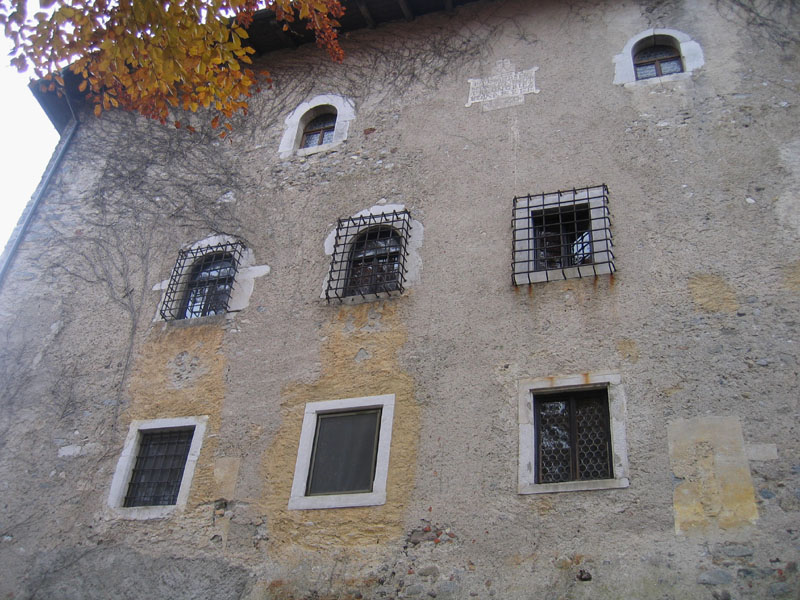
<point x="528" y="440"/>
<point x="690" y="51"/>
<point x="596" y="200"/>
<point x="413" y="261"/>
<point x="297" y="120"/>
<point x="243" y="283"/>
<point x="298" y="499"/>
<point x="127" y="460"/>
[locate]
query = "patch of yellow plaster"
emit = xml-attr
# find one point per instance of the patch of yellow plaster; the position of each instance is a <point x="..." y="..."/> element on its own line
<point x="791" y="276"/>
<point x="628" y="349"/>
<point x="377" y="329"/>
<point x="712" y="293"/>
<point x="180" y="373"/>
<point x="708" y="455"/>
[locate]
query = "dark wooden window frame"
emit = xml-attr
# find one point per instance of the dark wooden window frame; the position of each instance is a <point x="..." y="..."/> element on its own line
<point x="311" y="130"/>
<point x="656" y="62"/>
<point x="574" y="398"/>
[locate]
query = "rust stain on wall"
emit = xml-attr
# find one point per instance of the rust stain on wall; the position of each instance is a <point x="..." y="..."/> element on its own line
<point x="179" y="373"/>
<point x="712" y="293"/>
<point x="707" y="454"/>
<point x="376" y="329"/>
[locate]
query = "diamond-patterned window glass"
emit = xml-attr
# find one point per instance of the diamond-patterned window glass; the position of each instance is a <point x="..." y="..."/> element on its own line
<point x="655" y="61"/>
<point x="202" y="281"/>
<point x="369" y="256"/>
<point x="319" y="130"/>
<point x="157" y="474"/>
<point x="573" y="436"/>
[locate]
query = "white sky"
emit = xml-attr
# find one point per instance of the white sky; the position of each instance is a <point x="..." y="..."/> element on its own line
<point x="27" y="142"/>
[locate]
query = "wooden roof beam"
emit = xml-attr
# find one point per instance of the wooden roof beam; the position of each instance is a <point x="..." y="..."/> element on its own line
<point x="362" y="6"/>
<point x="407" y="12"/>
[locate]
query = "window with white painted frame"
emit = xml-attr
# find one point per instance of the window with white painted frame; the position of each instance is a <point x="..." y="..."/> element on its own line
<point x="561" y="235"/>
<point x="154" y="472"/>
<point x="572" y="434"/>
<point x="343" y="454"/>
<point x="657" y="55"/>
<point x="319" y="124"/>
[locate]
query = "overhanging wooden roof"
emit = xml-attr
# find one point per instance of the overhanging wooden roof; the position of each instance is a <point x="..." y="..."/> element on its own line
<point x="266" y="35"/>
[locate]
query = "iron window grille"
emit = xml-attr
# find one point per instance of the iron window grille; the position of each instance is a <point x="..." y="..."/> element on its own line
<point x="202" y="281"/>
<point x="369" y="256"/>
<point x="573" y="437"/>
<point x="158" y="472"/>
<point x="344" y="453"/>
<point x="656" y="61"/>
<point x="319" y="131"/>
<point x="560" y="235"/>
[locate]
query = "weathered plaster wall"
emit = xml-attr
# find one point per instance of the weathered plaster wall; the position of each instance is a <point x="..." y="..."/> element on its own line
<point x="699" y="321"/>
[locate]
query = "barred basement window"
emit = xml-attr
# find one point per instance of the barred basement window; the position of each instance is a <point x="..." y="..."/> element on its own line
<point x="158" y="472"/>
<point x="572" y="431"/>
<point x="369" y="256"/>
<point x="319" y="130"/>
<point x="560" y="235"/>
<point x="202" y="281"/>
<point x="656" y="61"/>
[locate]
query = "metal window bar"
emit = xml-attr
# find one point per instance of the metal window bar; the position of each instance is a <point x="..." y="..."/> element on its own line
<point x="202" y="281"/>
<point x="573" y="436"/>
<point x="562" y="230"/>
<point x="157" y="474"/>
<point x="369" y="256"/>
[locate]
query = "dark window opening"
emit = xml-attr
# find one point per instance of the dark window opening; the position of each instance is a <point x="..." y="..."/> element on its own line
<point x="157" y="474"/>
<point x="573" y="436"/>
<point x="319" y="131"/>
<point x="202" y="281"/>
<point x="374" y="264"/>
<point x="209" y="286"/>
<point x="369" y="256"/>
<point x="656" y="61"/>
<point x="562" y="237"/>
<point x="345" y="453"/>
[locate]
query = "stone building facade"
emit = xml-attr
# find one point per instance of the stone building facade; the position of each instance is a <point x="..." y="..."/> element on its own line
<point x="534" y="265"/>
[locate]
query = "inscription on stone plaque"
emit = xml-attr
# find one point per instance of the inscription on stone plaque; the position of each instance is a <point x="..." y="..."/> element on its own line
<point x="503" y="89"/>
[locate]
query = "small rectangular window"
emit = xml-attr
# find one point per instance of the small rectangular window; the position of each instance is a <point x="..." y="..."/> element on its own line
<point x="561" y="235"/>
<point x="573" y="437"/>
<point x="158" y="471"/>
<point x="343" y="453"/>
<point x="345" y="449"/>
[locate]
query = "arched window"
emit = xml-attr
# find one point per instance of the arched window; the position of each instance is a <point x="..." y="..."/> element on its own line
<point x="657" y="54"/>
<point x="657" y="60"/>
<point x="374" y="263"/>
<point x="202" y="281"/>
<point x="319" y="130"/>
<point x="209" y="286"/>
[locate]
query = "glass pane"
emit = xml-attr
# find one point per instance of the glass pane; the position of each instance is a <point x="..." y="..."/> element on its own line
<point x="322" y="122"/>
<point x="310" y="140"/>
<point x="345" y="450"/>
<point x="645" y="71"/>
<point x="593" y="441"/>
<point x="327" y="136"/>
<point x="672" y="65"/>
<point x="654" y="53"/>
<point x="554" y="442"/>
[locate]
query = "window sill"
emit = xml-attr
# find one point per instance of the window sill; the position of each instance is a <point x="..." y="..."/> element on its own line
<point x="574" y="486"/>
<point x="336" y="501"/>
<point x="561" y="274"/>
<point x="663" y="79"/>
<point x="142" y="513"/>
<point x="317" y="149"/>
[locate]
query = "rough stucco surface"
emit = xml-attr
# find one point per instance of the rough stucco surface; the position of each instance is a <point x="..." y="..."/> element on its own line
<point x="699" y="321"/>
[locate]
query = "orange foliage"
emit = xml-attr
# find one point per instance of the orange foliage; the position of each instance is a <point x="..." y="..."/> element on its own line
<point x="151" y="55"/>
